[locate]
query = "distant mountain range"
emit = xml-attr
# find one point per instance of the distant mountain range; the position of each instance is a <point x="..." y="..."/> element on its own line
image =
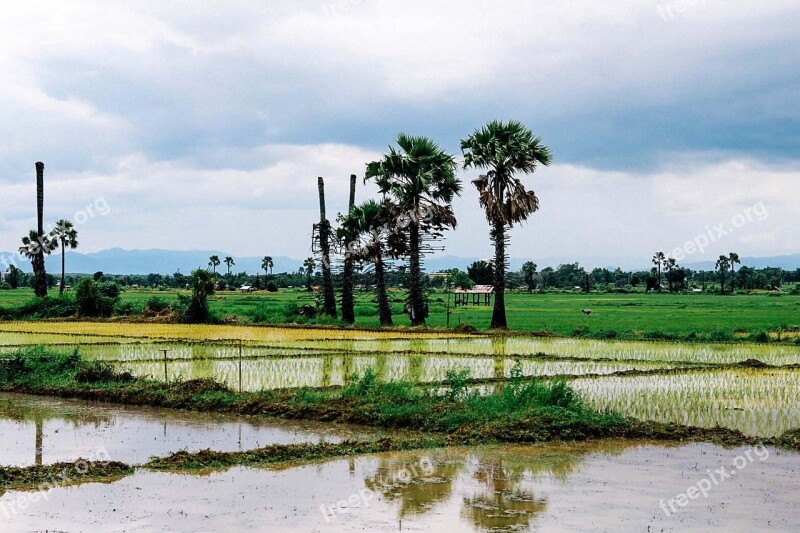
<point x="119" y="261"/>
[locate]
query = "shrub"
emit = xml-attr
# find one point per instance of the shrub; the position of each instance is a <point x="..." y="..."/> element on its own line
<point x="5" y="286"/>
<point x="272" y="287"/>
<point x="99" y="372"/>
<point x="195" y="308"/>
<point x="126" y="309"/>
<point x="92" y="300"/>
<point x="457" y="380"/>
<point x="156" y="305"/>
<point x="762" y="336"/>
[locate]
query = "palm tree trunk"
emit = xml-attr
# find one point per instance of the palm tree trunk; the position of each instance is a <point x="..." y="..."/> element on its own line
<point x="39" y="274"/>
<point x="329" y="299"/>
<point x="733" y="278"/>
<point x="384" y="309"/>
<point x="61" y="287"/>
<point x="348" y="304"/>
<point x="415" y="297"/>
<point x="499" y="313"/>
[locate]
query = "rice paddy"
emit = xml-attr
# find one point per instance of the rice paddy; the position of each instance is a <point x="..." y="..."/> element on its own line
<point x="654" y="380"/>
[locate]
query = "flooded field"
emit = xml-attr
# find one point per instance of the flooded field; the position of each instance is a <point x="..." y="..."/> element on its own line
<point x="761" y="402"/>
<point x="614" y="486"/>
<point x="42" y="430"/>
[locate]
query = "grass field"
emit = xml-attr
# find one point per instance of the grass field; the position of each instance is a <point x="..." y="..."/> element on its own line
<point x="654" y="316"/>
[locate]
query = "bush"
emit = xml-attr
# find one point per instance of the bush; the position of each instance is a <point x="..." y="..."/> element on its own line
<point x="99" y="372"/>
<point x="156" y="305"/>
<point x="92" y="298"/>
<point x="5" y="286"/>
<point x="762" y="336"/>
<point x="195" y="308"/>
<point x="47" y="307"/>
<point x="272" y="287"/>
<point x="126" y="309"/>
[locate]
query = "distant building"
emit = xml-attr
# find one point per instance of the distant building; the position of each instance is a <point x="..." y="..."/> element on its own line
<point x="479" y="295"/>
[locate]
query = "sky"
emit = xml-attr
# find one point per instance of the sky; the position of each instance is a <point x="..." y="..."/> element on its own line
<point x="204" y="125"/>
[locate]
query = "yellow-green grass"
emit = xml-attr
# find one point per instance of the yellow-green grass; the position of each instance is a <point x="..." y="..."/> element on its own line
<point x="637" y="315"/>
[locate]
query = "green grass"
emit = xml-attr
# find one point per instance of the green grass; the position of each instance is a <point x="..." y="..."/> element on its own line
<point x="633" y="316"/>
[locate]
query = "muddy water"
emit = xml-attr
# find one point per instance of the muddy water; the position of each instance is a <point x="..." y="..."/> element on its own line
<point x="611" y="486"/>
<point x="46" y="430"/>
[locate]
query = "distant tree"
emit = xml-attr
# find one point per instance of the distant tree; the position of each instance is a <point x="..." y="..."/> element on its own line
<point x="267" y="265"/>
<point x="635" y="280"/>
<point x="309" y="266"/>
<point x="529" y="274"/>
<point x="733" y="257"/>
<point x="229" y="262"/>
<point x="213" y="262"/>
<point x="505" y="149"/>
<point x="722" y="264"/>
<point x="481" y="272"/>
<point x="65" y="234"/>
<point x="35" y="246"/>
<point x="420" y="178"/>
<point x="658" y="259"/>
<point x="14" y="276"/>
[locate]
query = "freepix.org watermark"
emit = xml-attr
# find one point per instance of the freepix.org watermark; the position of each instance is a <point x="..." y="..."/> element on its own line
<point x="714" y="478"/>
<point x="718" y="232"/>
<point x="79" y="468"/>
<point x="424" y="467"/>
<point x="97" y="208"/>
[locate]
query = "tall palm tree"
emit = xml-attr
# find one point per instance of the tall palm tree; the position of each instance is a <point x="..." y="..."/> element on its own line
<point x="213" y="262"/>
<point x="267" y="265"/>
<point x="229" y="262"/>
<point x="324" y="227"/>
<point x="505" y="149"/>
<point x="420" y="178"/>
<point x="65" y="234"/>
<point x="723" y="264"/>
<point x="733" y="257"/>
<point x="369" y="221"/>
<point x="658" y="260"/>
<point x="309" y="266"/>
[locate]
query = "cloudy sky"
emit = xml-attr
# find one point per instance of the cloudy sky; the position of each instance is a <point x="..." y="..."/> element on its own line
<point x="203" y="125"/>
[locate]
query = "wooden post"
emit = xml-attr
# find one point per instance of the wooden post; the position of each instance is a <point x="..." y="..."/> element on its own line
<point x="166" y="377"/>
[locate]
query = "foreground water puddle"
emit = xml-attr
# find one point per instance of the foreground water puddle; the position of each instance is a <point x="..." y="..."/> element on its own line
<point x="613" y="485"/>
<point x="39" y="430"/>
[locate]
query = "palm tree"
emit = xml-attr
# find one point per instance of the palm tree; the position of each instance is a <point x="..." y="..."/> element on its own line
<point x="369" y="220"/>
<point x="505" y="149"/>
<point x="37" y="260"/>
<point x="34" y="246"/>
<point x="309" y="266"/>
<point x="733" y="257"/>
<point x="529" y="274"/>
<point x="658" y="260"/>
<point x="324" y="228"/>
<point x="723" y="264"/>
<point x="670" y="264"/>
<point x="213" y="262"/>
<point x="420" y="178"/>
<point x="229" y="262"/>
<point x="267" y="265"/>
<point x="65" y="234"/>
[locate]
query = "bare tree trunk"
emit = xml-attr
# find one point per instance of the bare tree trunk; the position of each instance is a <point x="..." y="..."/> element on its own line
<point x="348" y="304"/>
<point x="384" y="309"/>
<point x="329" y="300"/>
<point x="39" y="273"/>
<point x="63" y="274"/>
<point x="416" y="298"/>
<point x="499" y="312"/>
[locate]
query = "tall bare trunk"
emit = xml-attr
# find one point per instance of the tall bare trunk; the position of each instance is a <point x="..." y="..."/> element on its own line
<point x="499" y="312"/>
<point x="63" y="270"/>
<point x="348" y="304"/>
<point x="384" y="309"/>
<point x="39" y="273"/>
<point x="329" y="300"/>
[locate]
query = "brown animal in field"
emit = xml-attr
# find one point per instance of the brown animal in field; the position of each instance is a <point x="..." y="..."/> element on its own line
<point x="587" y="312"/>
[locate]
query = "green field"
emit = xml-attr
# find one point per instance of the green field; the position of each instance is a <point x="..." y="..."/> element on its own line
<point x="654" y="316"/>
